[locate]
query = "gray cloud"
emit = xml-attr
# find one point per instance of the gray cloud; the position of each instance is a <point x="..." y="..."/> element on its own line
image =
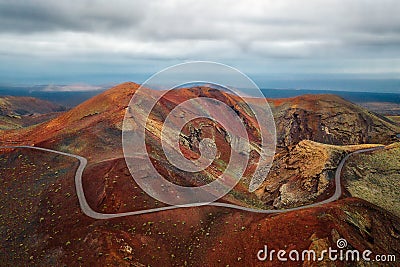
<point x="257" y="33"/>
<point x="47" y="16"/>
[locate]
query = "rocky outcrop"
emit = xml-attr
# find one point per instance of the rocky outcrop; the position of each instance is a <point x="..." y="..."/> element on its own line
<point x="329" y="119"/>
<point x="304" y="175"/>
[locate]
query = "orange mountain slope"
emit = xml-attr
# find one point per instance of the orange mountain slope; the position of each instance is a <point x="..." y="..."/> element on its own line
<point x="43" y="225"/>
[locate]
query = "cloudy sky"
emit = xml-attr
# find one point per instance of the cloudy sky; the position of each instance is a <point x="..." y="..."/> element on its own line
<point x="96" y="42"/>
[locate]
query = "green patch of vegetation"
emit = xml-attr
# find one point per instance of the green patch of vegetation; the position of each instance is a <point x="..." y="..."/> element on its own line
<point x="375" y="177"/>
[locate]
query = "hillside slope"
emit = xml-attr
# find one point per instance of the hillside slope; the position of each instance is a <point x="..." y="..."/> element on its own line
<point x="43" y="225"/>
<point x="375" y="177"/>
<point x="17" y="112"/>
<point x="329" y="119"/>
<point x="304" y="175"/>
<point x="93" y="129"/>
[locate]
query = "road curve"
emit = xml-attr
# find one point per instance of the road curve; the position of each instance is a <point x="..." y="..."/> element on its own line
<point x="87" y="210"/>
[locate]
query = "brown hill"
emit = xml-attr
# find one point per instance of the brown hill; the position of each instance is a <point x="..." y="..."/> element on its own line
<point x="329" y="119"/>
<point x="326" y="119"/>
<point x="21" y="105"/>
<point x="93" y="129"/>
<point x="96" y="121"/>
<point x="17" y="112"/>
<point x="43" y="224"/>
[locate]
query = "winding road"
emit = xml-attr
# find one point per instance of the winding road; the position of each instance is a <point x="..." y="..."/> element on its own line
<point x="87" y="210"/>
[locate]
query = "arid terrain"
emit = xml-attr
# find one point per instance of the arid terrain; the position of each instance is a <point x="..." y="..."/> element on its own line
<point x="391" y="109"/>
<point x="18" y="112"/>
<point x="43" y="225"/>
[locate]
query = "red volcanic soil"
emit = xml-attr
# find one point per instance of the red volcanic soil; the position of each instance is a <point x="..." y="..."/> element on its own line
<point x="322" y="118"/>
<point x="43" y="225"/>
